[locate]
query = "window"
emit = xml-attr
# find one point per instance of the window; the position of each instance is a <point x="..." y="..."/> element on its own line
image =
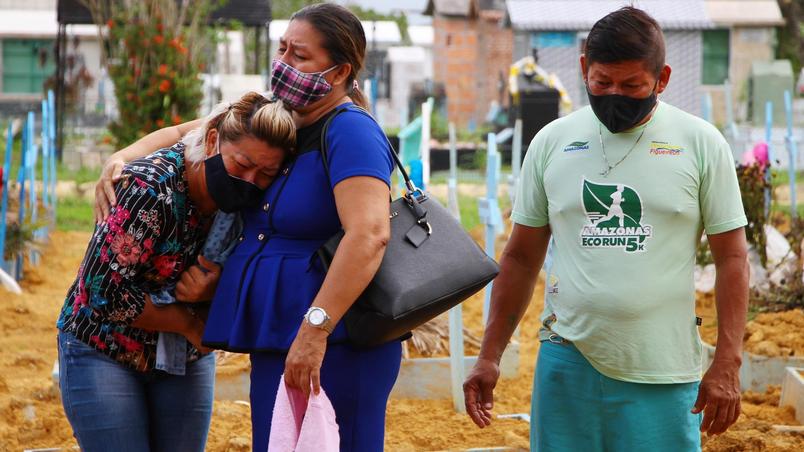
<point x="27" y="63"/>
<point x="715" y="57"/>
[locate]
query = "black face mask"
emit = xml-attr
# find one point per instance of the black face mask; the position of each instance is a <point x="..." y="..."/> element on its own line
<point x="230" y="193"/>
<point x="619" y="113"/>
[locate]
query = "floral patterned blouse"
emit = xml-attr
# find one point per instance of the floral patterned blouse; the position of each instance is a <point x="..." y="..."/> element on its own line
<point x="152" y="234"/>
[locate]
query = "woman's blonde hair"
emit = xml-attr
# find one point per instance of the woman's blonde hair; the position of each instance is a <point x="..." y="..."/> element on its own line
<point x="253" y="115"/>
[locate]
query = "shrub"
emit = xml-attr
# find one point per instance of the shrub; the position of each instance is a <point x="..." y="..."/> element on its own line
<point x="154" y="51"/>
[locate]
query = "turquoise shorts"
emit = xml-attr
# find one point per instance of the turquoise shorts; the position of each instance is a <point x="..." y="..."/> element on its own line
<point x="576" y="408"/>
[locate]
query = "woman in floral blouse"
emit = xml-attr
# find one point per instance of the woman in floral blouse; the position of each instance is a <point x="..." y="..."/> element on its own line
<point x="113" y="325"/>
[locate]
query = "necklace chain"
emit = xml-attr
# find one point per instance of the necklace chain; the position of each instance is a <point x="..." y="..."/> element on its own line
<point x="609" y="166"/>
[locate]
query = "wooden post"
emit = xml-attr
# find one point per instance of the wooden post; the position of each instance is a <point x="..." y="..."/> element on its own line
<point x="516" y="161"/>
<point x="768" y="136"/>
<point x="427" y="113"/>
<point x="21" y="181"/>
<point x="32" y="155"/>
<point x="5" y="183"/>
<point x="706" y="106"/>
<point x="732" y="135"/>
<point x="792" y="151"/>
<point x="45" y="156"/>
<point x="489" y="210"/>
<point x="53" y="152"/>
<point x="456" y="359"/>
<point x="452" y="183"/>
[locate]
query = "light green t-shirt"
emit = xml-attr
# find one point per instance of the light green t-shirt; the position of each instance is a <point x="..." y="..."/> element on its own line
<point x="621" y="285"/>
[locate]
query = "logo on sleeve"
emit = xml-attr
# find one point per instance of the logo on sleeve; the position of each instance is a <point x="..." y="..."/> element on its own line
<point x="577" y="146"/>
<point x="615" y="218"/>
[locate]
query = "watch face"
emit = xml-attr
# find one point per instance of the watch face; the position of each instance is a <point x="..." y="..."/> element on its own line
<point x="316" y="317"/>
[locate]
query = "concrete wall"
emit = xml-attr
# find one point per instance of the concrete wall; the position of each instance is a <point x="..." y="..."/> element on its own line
<point x="404" y="73"/>
<point x="455" y="55"/>
<point x="746" y="45"/>
<point x="468" y="55"/>
<point x="684" y="54"/>
<point x="496" y="48"/>
<point x="28" y="4"/>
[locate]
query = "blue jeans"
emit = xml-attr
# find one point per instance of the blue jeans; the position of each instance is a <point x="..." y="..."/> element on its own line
<point x="112" y="407"/>
<point x="576" y="408"/>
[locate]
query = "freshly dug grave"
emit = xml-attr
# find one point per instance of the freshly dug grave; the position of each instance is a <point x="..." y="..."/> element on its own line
<point x="31" y="415"/>
<point x="774" y="334"/>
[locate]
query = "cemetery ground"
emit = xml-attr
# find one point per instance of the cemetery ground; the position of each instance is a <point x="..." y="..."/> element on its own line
<point x="31" y="414"/>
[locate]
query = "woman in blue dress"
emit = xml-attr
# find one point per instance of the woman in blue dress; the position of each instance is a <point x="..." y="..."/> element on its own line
<point x="273" y="300"/>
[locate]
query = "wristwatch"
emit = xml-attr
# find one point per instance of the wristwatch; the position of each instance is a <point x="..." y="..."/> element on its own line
<point x="318" y="318"/>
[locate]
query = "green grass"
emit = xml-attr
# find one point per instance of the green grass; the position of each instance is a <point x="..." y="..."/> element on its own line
<point x="782" y="177"/>
<point x="74" y="214"/>
<point x="470" y="218"/>
<point x="80" y="175"/>
<point x="785" y="209"/>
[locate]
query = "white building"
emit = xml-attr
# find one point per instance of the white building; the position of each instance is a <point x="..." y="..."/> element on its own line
<point x="28" y="32"/>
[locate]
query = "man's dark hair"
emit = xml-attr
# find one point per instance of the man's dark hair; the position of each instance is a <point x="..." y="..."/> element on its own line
<point x="627" y="34"/>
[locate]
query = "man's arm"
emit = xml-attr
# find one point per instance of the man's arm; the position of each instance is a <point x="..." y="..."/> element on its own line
<point x="719" y="393"/>
<point x="511" y="294"/>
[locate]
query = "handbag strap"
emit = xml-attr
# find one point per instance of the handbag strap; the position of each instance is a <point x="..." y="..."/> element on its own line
<point x="411" y="187"/>
<point x="413" y="195"/>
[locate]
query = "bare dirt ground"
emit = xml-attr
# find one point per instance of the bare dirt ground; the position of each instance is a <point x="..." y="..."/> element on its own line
<point x="770" y="334"/>
<point x="31" y="415"/>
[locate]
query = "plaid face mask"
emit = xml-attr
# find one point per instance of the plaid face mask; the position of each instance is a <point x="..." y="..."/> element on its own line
<point x="298" y="89"/>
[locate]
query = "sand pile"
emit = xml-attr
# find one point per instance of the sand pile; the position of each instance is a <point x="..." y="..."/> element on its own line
<point x="31" y="415"/>
<point x="768" y="334"/>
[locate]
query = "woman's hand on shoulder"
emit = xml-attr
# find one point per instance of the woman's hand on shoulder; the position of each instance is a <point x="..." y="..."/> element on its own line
<point x="105" y="198"/>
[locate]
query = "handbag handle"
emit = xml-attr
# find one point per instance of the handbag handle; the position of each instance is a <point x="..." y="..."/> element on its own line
<point x="412" y="189"/>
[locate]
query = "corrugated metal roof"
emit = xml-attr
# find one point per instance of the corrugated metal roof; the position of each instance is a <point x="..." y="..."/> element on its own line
<point x="582" y="14"/>
<point x="745" y="12"/>
<point x="387" y="30"/>
<point x="460" y="8"/>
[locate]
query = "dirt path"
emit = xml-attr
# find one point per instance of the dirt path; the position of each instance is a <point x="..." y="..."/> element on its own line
<point x="31" y="415"/>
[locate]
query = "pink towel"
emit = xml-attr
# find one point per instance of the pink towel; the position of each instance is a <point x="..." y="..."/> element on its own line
<point x="300" y="425"/>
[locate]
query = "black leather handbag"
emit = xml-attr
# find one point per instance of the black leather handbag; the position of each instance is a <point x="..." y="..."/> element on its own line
<point x="430" y="265"/>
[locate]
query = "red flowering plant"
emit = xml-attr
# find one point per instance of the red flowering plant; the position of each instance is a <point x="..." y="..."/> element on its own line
<point x="154" y="51"/>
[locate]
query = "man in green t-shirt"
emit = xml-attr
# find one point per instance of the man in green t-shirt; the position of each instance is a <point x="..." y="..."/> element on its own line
<point x="625" y="188"/>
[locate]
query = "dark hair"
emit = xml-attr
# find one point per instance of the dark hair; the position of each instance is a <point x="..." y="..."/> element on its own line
<point x="343" y="38"/>
<point x="627" y="34"/>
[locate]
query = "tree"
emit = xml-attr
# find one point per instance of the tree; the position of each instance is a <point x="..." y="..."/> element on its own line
<point x="154" y="51"/>
<point x="283" y="9"/>
<point x="369" y="14"/>
<point x="791" y="45"/>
